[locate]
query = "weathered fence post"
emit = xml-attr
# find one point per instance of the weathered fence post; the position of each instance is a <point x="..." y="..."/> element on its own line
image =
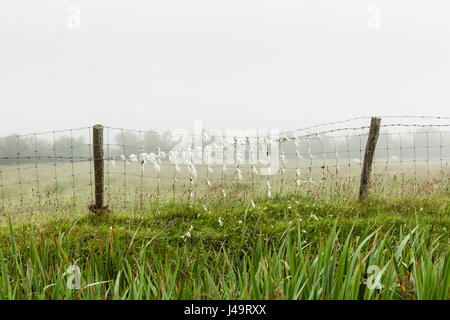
<point x="368" y="157"/>
<point x="97" y="144"/>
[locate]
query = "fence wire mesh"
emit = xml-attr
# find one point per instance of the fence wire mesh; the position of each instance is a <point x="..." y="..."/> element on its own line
<point x="147" y="168"/>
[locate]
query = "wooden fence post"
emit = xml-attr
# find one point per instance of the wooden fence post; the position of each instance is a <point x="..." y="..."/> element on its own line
<point x="97" y="144"/>
<point x="368" y="157"/>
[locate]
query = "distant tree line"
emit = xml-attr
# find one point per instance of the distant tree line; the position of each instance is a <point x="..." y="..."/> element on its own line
<point x="26" y="149"/>
<point x="424" y="142"/>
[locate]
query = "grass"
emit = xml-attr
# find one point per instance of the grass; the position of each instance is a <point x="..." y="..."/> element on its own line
<point x="37" y="186"/>
<point x="293" y="246"/>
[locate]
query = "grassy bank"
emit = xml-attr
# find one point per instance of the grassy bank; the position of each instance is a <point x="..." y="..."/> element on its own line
<point x="285" y="248"/>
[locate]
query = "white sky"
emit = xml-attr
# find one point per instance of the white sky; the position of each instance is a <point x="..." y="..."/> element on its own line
<point x="163" y="64"/>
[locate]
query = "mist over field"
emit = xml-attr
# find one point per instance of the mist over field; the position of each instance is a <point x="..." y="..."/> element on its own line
<point x="231" y="64"/>
<point x="421" y="143"/>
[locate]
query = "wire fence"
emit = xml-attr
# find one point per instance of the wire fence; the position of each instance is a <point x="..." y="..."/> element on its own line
<point x="147" y="168"/>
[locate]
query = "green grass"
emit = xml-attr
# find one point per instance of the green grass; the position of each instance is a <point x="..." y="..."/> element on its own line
<point x="290" y="247"/>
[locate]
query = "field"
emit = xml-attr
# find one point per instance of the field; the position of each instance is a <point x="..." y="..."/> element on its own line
<point x="34" y="187"/>
<point x="306" y="241"/>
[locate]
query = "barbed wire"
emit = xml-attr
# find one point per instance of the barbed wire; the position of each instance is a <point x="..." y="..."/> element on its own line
<point x="366" y="118"/>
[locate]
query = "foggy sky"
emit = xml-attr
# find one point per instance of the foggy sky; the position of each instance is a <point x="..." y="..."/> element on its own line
<point x="163" y="64"/>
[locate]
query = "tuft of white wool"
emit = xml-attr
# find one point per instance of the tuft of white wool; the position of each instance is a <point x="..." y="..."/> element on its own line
<point x="192" y="170"/>
<point x="187" y="234"/>
<point x="239" y="173"/>
<point x="173" y="159"/>
<point x="143" y="156"/>
<point x="172" y="156"/>
<point x="269" y="194"/>
<point x="186" y="156"/>
<point x="133" y="157"/>
<point x="151" y="157"/>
